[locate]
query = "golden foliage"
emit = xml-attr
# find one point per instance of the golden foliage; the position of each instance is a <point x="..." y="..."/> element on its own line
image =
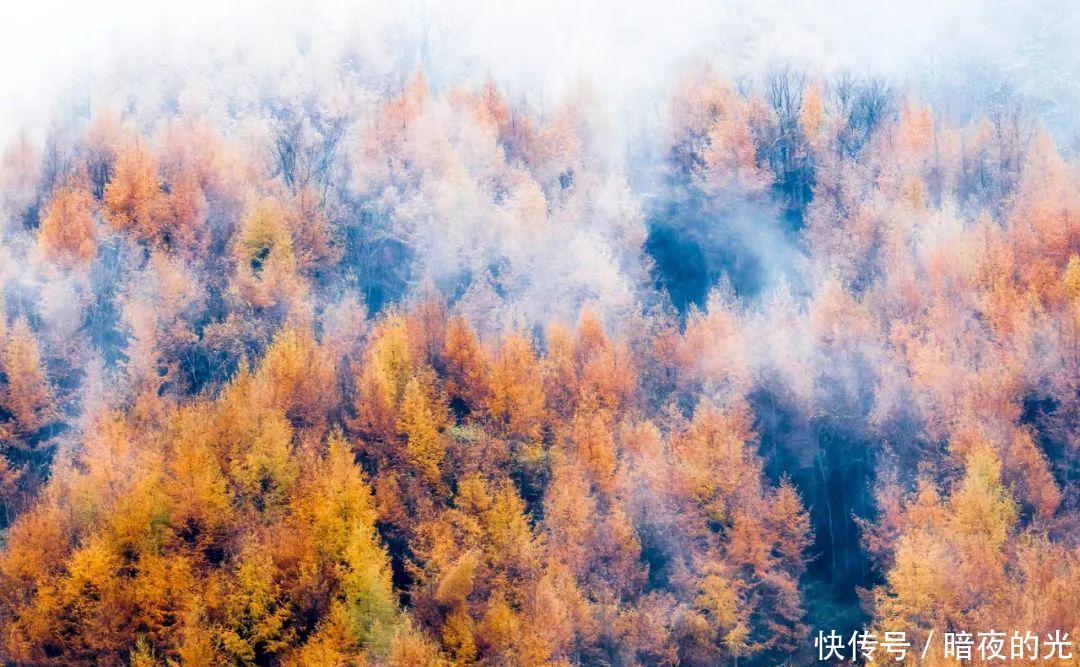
<point x="134" y="200"/>
<point x="26" y="395"/>
<point x="254" y="472"/>
<point x="68" y="234"/>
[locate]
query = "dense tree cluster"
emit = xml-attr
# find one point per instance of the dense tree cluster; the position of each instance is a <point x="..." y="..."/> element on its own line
<point x="936" y="336"/>
<point x="411" y="375"/>
<point x="466" y="500"/>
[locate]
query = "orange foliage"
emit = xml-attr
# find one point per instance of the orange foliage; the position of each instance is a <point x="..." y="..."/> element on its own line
<point x="516" y="401"/>
<point x="67" y="234"/>
<point x="250" y="471"/>
<point x="27" y="394"/>
<point x="266" y="264"/>
<point x="134" y="200"/>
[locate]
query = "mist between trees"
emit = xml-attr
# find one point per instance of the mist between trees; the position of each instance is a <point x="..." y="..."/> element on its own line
<point x="339" y="359"/>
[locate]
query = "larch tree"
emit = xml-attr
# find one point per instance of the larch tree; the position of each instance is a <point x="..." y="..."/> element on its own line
<point x="68" y="233"/>
<point x="28" y="397"/>
<point x="134" y="200"/>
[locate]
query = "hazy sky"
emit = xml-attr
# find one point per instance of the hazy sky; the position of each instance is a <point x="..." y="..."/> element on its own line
<point x="623" y="46"/>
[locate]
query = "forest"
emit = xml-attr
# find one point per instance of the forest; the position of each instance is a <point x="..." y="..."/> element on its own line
<point x="387" y="368"/>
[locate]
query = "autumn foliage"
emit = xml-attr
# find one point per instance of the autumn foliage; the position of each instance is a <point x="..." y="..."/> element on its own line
<point x="400" y="378"/>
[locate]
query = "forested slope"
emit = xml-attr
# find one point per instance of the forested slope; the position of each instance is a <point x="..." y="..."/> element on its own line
<point x="403" y="373"/>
